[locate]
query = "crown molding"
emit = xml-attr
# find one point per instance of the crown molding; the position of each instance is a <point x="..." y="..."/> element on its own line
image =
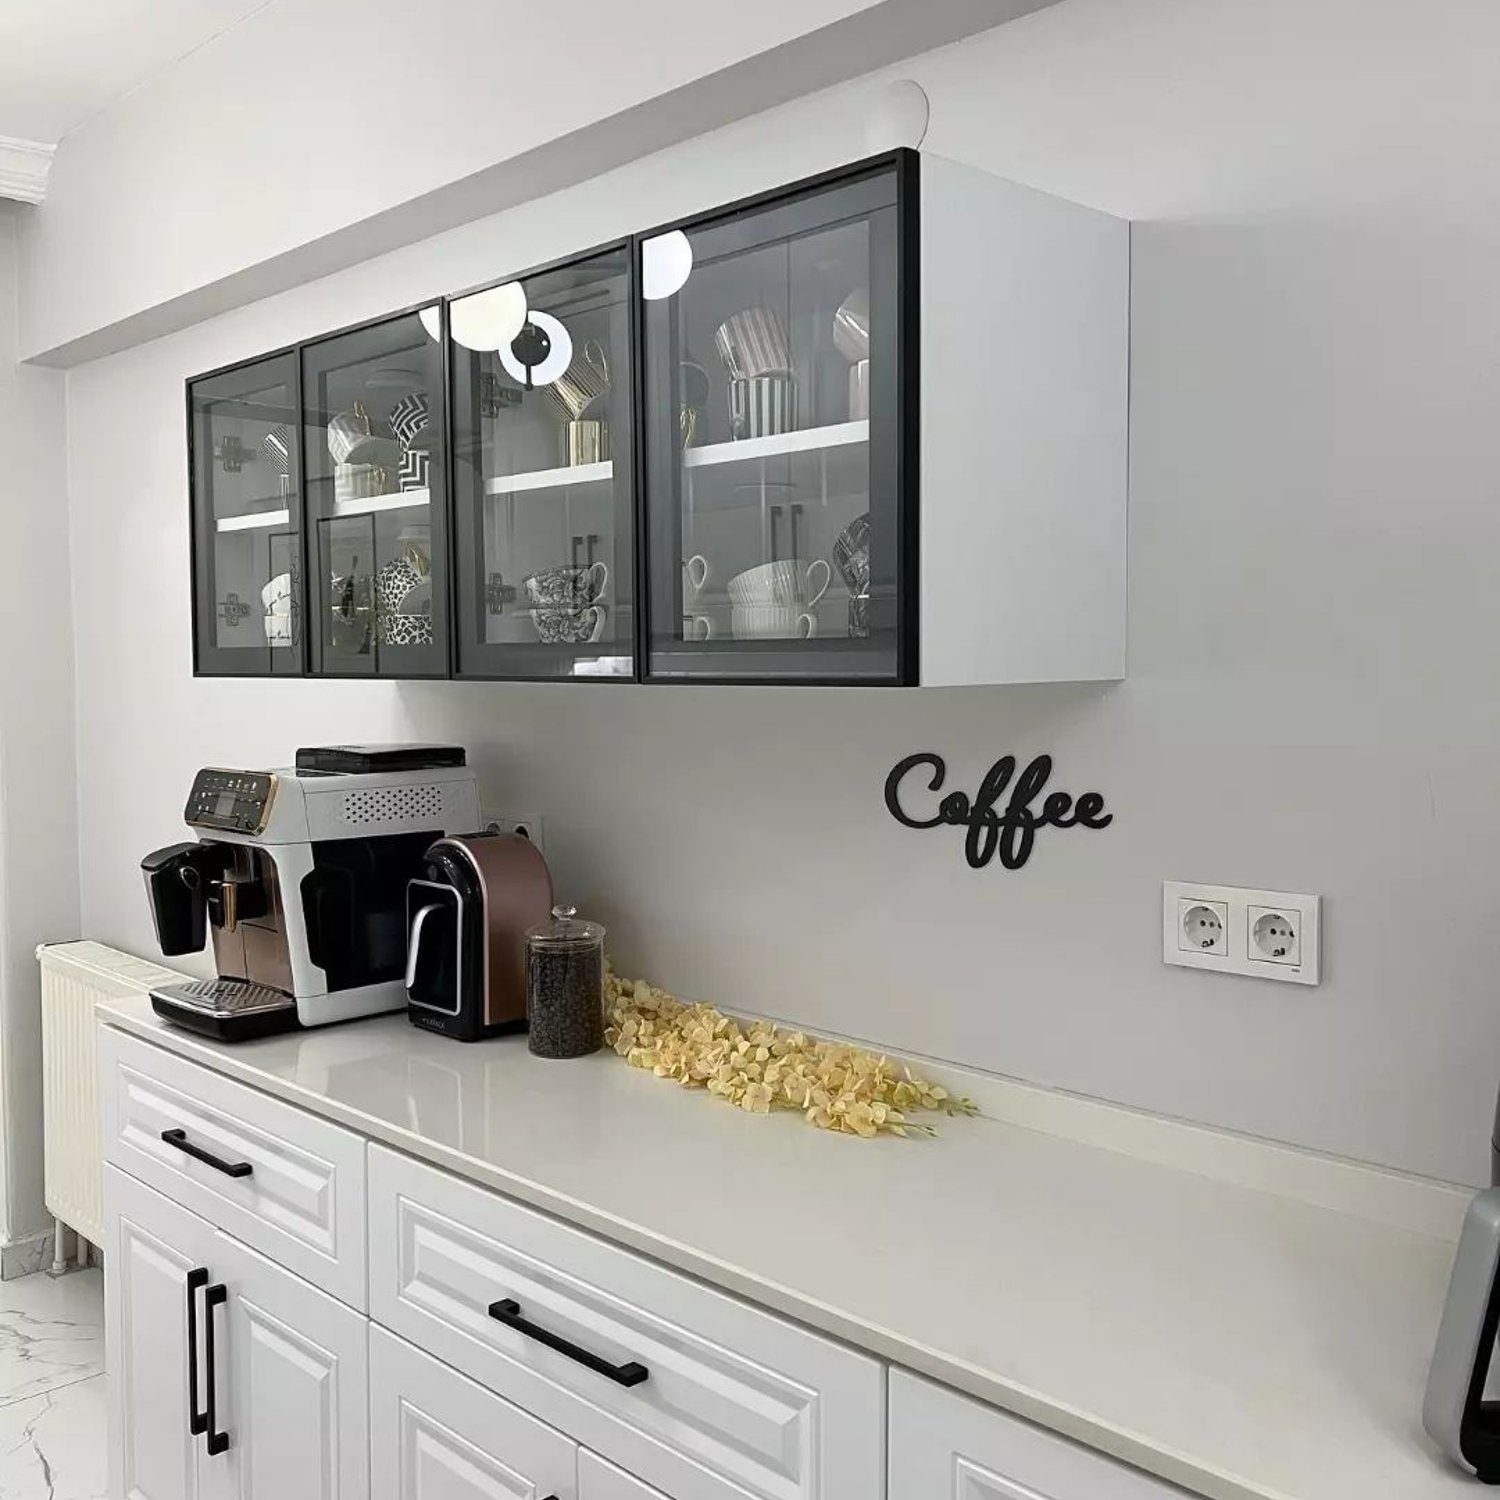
<point x="23" y="169"/>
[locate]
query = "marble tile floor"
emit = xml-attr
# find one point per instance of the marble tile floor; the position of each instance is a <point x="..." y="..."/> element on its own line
<point x="52" y="1410"/>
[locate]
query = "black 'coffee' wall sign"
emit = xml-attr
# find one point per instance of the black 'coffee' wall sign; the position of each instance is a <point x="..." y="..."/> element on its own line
<point x="1011" y="833"/>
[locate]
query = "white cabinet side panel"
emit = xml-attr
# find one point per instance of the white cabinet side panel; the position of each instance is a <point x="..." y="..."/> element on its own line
<point x="1025" y="381"/>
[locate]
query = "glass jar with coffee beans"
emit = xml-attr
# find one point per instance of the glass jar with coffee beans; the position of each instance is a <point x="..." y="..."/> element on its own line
<point x="565" y="985"/>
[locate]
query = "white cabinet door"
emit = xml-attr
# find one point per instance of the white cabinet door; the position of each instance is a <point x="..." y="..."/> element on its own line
<point x="436" y="1435"/>
<point x="152" y="1246"/>
<point x="947" y="1447"/>
<point x="600" y="1480"/>
<point x="291" y="1380"/>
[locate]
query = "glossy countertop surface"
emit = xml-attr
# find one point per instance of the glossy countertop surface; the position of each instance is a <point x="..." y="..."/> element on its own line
<point x="1245" y="1345"/>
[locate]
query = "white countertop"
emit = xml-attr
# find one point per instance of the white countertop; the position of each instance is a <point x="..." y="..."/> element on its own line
<point x="1246" y="1345"/>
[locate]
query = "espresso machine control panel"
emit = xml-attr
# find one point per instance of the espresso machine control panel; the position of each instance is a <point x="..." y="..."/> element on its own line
<point x="231" y="801"/>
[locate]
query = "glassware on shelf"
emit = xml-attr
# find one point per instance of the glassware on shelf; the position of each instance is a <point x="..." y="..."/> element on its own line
<point x="787" y="441"/>
<point x="247" y="520"/>
<point x="374" y="448"/>
<point x="544" y="496"/>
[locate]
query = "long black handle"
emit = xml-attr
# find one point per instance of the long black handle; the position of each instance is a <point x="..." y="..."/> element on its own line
<point x="215" y="1296"/>
<point x="178" y="1138"/>
<point x="197" y="1420"/>
<point x="508" y="1311"/>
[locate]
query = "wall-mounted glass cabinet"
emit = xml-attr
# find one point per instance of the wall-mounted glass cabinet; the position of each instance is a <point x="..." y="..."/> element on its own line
<point x="247" y="520"/>
<point x="869" y="428"/>
<point x="779" y="496"/>
<point x="543" y="455"/>
<point x="377" y="516"/>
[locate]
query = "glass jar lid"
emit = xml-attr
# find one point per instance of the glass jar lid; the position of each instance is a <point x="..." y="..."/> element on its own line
<point x="566" y="930"/>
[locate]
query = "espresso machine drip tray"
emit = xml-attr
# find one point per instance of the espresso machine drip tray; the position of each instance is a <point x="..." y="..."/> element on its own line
<point x="230" y="1009"/>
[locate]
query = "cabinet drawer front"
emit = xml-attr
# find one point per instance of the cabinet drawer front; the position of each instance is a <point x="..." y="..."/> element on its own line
<point x="734" y="1401"/>
<point x="302" y="1201"/>
<point x="948" y="1447"/>
<point x="598" y="1480"/>
<point x="436" y="1435"/>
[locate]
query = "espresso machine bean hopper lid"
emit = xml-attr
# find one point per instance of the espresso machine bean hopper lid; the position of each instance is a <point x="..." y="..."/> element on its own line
<point x="366" y="759"/>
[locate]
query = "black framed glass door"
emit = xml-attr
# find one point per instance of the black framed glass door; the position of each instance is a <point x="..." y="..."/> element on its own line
<point x="544" y="452"/>
<point x="780" y="359"/>
<point x="374" y="433"/>
<point x="247" y="520"/>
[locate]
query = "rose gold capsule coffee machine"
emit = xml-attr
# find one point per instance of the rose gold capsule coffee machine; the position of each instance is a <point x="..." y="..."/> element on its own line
<point x="468" y="913"/>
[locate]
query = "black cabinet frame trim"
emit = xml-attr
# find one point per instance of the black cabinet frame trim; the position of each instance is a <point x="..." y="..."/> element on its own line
<point x="906" y="164"/>
<point x="292" y="351"/>
<point x="627" y="244"/>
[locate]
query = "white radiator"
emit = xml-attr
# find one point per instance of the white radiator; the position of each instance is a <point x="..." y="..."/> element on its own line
<point x="74" y="976"/>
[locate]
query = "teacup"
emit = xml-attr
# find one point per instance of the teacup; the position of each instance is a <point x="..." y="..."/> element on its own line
<point x="695" y="571"/>
<point x="787" y="582"/>
<point x="767" y="621"/>
<point x="570" y="627"/>
<point x="567" y="587"/>
<point x="697" y="628"/>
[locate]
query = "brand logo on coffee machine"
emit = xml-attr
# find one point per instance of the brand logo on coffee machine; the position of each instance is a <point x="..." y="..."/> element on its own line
<point x="1009" y="831"/>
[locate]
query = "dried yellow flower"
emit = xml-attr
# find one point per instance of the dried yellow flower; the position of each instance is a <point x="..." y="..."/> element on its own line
<point x="761" y="1068"/>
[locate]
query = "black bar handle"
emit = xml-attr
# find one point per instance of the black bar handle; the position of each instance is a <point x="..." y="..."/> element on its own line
<point x="215" y="1296"/>
<point x="508" y="1311"/>
<point x="178" y="1138"/>
<point x="197" y="1420"/>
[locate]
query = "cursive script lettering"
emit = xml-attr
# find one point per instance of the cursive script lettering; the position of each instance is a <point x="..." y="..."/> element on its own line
<point x="1012" y="833"/>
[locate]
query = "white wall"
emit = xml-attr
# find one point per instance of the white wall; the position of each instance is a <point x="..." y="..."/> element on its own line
<point x="1310" y="702"/>
<point x="38" y="824"/>
<point x="318" y="132"/>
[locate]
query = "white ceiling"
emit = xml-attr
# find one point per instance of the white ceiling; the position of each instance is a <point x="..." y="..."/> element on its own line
<point x="62" y="61"/>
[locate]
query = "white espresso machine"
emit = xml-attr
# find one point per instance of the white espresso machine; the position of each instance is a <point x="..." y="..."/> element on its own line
<point x="300" y="875"/>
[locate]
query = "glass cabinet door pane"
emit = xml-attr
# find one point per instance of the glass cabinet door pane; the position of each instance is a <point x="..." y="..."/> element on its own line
<point x="543" y="459"/>
<point x="777" y="496"/>
<point x="377" y="531"/>
<point x="247" y="509"/>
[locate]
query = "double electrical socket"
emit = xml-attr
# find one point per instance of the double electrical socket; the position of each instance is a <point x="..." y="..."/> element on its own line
<point x="528" y="825"/>
<point x="1268" y="934"/>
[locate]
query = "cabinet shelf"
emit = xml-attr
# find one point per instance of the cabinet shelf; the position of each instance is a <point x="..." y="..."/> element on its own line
<point x="550" y="479"/>
<point x="372" y="504"/>
<point x="264" y="520"/>
<point x="804" y="440"/>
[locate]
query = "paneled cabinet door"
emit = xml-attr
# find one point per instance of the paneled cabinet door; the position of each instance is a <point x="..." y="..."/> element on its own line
<point x="947" y="1447"/>
<point x="598" y="1480"/>
<point x="436" y="1435"/>
<point x="152" y="1248"/>
<point x="292" y="1386"/>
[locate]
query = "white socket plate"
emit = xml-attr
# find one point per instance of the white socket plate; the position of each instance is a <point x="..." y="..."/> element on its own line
<point x="1240" y="955"/>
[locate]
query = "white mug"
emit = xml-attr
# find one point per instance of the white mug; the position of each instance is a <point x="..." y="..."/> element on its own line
<point x="695" y="572"/>
<point x="754" y="622"/>
<point x="785" y="582"/>
<point x="697" y="628"/>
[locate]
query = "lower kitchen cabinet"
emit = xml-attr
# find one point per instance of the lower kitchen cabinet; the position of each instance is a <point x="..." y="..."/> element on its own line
<point x="946" y="1447"/>
<point x="230" y="1376"/>
<point x="436" y="1435"/>
<point x="506" y="1355"/>
<point x="598" y="1480"/>
<point x="153" y="1248"/>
